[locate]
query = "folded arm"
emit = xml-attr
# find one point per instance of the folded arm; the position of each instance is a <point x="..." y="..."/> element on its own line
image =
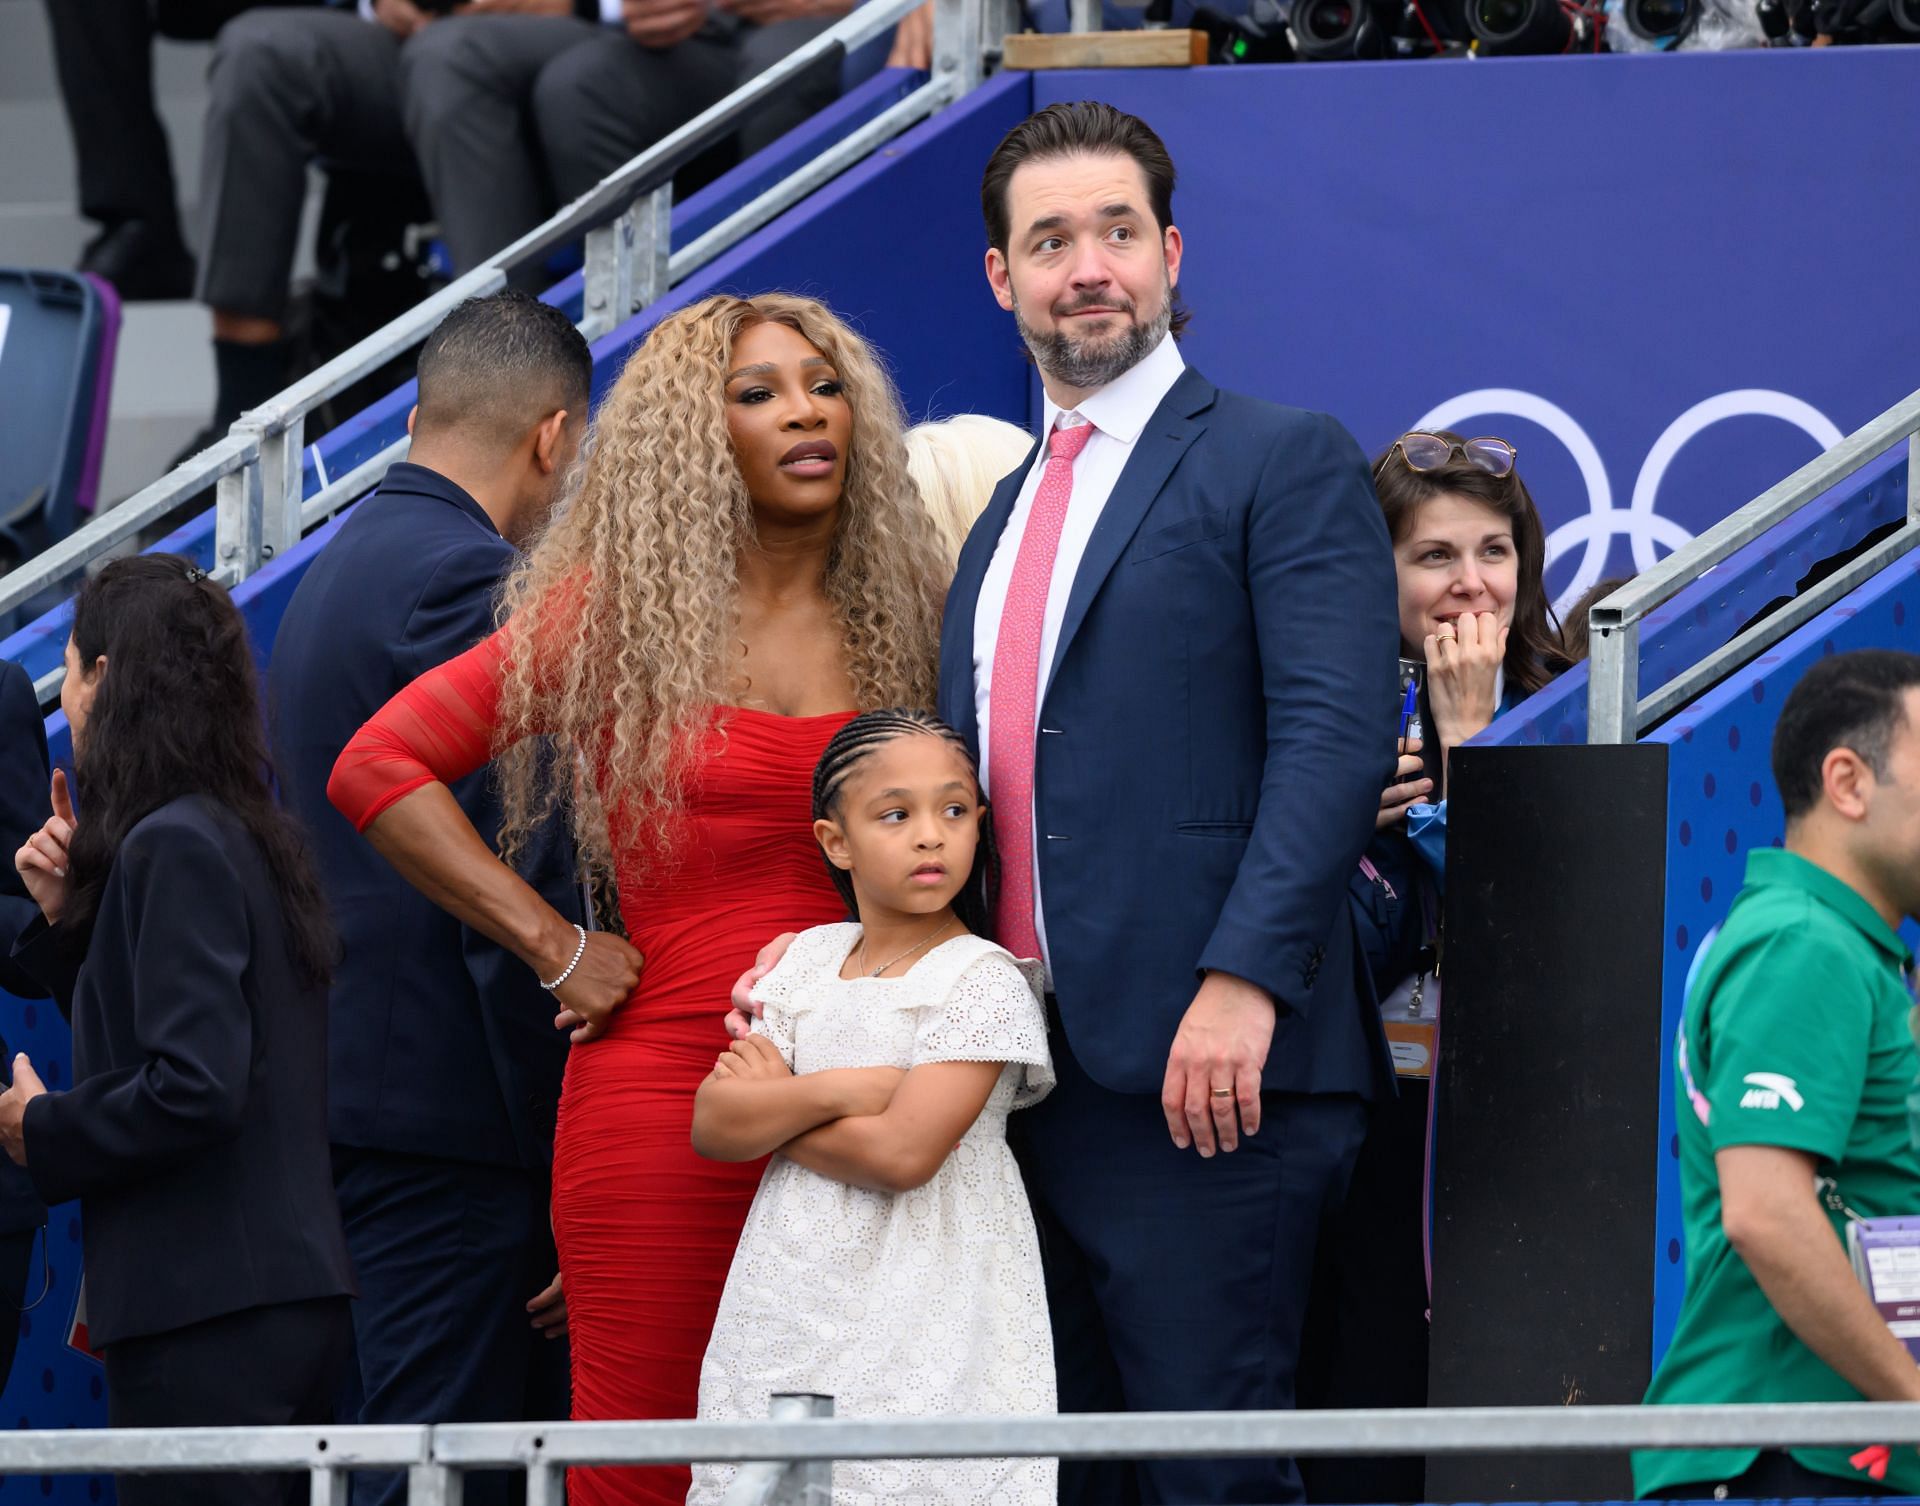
<point x="901" y="1147"/>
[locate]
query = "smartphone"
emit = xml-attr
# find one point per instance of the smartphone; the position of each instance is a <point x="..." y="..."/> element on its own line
<point x="1413" y="678"/>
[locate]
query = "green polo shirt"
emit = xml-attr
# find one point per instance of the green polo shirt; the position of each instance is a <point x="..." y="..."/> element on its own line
<point x="1795" y="1034"/>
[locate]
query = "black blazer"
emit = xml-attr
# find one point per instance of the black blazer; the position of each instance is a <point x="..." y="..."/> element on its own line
<point x="1210" y="753"/>
<point x="440" y="1043"/>
<point x="195" y="1134"/>
<point x="24" y="807"/>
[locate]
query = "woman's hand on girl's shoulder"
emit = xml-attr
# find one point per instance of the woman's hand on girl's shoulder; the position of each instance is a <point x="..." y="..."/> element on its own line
<point x="42" y="863"/>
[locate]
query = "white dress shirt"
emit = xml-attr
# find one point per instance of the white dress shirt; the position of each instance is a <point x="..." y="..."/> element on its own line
<point x="1119" y="413"/>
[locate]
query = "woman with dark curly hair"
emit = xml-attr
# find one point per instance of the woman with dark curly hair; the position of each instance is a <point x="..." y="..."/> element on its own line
<point x="745" y="567"/>
<point x="184" y="935"/>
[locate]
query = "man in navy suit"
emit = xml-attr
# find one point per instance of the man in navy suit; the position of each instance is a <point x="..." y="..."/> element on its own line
<point x="443" y="1065"/>
<point x="1171" y="639"/>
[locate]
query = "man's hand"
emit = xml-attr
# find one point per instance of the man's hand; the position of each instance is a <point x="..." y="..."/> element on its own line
<point x="549" y="1311"/>
<point x="740" y="1018"/>
<point x="42" y="863"/>
<point x="913" y="40"/>
<point x="401" y="17"/>
<point x="1212" y="1089"/>
<point x="752" y="1057"/>
<point x="772" y="12"/>
<point x="1408" y="787"/>
<point x="13" y="1108"/>
<point x="660" y="24"/>
<point x="513" y="8"/>
<point x="606" y="977"/>
<point x="1463" y="669"/>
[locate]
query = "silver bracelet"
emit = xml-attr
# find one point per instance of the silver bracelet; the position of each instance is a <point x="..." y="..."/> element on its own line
<point x="578" y="952"/>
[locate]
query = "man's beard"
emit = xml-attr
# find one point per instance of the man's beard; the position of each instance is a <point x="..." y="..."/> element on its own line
<point x="1093" y="363"/>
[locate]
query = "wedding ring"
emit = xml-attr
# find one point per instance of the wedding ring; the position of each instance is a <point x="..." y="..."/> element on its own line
<point x="1223" y="1092"/>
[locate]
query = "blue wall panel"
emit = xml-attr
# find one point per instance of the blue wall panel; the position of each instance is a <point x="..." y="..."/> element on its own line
<point x="1610" y="239"/>
<point x="1721" y="804"/>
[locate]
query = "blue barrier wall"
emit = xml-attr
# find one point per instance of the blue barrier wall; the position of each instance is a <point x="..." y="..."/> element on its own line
<point x="1721" y="803"/>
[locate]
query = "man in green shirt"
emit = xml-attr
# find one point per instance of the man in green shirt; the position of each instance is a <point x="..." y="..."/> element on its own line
<point x="1793" y="1066"/>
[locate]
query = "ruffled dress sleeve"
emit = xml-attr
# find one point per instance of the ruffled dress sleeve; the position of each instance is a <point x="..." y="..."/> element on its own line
<point x="991" y="1013"/>
<point x="781" y="992"/>
<point x="439" y="729"/>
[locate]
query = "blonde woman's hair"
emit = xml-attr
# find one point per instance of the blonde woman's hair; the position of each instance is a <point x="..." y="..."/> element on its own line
<point x="623" y="629"/>
<point x="957" y="463"/>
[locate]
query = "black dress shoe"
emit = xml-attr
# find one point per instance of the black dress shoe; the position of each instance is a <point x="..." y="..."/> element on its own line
<point x="143" y="262"/>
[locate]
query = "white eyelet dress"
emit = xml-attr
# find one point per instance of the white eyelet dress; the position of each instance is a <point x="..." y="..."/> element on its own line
<point x="918" y="1304"/>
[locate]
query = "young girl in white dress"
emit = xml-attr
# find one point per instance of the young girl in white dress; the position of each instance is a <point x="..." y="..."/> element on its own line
<point x="890" y="1259"/>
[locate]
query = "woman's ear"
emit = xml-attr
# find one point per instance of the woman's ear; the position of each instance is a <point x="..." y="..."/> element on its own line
<point x="833" y="842"/>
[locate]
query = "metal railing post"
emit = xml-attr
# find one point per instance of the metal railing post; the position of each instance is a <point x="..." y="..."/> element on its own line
<point x="280" y="486"/>
<point x="805" y="1482"/>
<point x="237" y="536"/>
<point x="627" y="262"/>
<point x="963" y="30"/>
<point x="546" y="1484"/>
<point x="1613" y="677"/>
<point x="1084" y="15"/>
<point x="328" y="1486"/>
<point x="433" y="1485"/>
<point x="1913" y="477"/>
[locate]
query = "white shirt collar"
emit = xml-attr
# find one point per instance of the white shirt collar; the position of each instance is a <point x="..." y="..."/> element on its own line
<point x="1120" y="409"/>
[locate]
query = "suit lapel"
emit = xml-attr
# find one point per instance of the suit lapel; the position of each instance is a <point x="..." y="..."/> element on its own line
<point x="963" y="598"/>
<point x="1175" y="425"/>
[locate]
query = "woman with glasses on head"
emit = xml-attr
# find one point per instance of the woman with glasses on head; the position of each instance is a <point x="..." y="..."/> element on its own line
<point x="1470" y="555"/>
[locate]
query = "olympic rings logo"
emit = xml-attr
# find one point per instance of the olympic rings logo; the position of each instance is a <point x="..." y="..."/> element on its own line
<point x="1644" y="527"/>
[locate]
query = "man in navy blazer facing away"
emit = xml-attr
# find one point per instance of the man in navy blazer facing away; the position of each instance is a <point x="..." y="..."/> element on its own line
<point x="443" y="1065"/>
<point x="1171" y="639"/>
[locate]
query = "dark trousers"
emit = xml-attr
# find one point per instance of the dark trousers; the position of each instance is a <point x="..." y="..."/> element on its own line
<point x="447" y="1255"/>
<point x="265" y="1366"/>
<point x="16" y="1266"/>
<point x="1366" y="1338"/>
<point x="103" y="53"/>
<point x="1773" y="1476"/>
<point x="1176" y="1283"/>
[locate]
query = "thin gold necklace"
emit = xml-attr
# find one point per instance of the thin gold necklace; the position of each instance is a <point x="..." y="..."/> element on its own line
<point x="895" y="962"/>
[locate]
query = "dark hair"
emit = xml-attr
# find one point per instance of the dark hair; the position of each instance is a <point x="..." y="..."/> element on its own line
<point x="1533" y="644"/>
<point x="177" y="712"/>
<point x="1844" y="701"/>
<point x="850" y="747"/>
<point x="1575" y="639"/>
<point x="1068" y="130"/>
<point x="496" y="366"/>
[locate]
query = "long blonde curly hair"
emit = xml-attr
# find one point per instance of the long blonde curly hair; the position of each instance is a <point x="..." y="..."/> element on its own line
<point x="623" y="619"/>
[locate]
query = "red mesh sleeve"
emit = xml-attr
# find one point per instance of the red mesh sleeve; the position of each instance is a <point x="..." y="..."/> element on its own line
<point x="439" y="729"/>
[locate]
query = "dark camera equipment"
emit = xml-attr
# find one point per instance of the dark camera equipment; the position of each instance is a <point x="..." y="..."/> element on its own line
<point x="1338" y="30"/>
<point x="1260" y="36"/>
<point x="1667" y="23"/>
<point x="1515" y="28"/>
<point x="1851" y="22"/>
<point x="1775" y="24"/>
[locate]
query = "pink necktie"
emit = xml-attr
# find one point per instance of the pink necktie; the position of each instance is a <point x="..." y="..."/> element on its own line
<point x="1013" y="694"/>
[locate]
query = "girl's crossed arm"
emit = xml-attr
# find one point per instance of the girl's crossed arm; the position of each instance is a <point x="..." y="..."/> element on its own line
<point x="902" y="1145"/>
<point x="752" y="1105"/>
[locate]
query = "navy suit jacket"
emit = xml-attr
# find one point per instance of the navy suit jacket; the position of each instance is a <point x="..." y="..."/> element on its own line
<point x="195" y="1133"/>
<point x="1208" y="764"/>
<point x="24" y="808"/>
<point x="440" y="1043"/>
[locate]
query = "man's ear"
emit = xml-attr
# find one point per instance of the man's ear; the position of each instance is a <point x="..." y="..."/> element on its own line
<point x="413" y="413"/>
<point x="833" y="842"/>
<point x="546" y="440"/>
<point x="1174" y="249"/>
<point x="1846" y="779"/>
<point x="1000" y="278"/>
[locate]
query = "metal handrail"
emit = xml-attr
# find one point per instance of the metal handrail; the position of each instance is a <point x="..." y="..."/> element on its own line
<point x="437" y="1457"/>
<point x="1616" y="711"/>
<point x="625" y="219"/>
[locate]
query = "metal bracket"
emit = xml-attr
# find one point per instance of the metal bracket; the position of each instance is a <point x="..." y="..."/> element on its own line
<point x="627" y="261"/>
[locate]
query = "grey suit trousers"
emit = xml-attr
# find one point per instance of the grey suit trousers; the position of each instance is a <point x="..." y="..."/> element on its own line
<point x="504" y="117"/>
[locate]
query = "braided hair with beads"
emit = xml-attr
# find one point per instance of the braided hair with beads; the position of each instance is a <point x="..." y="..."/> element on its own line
<point x="850" y="747"/>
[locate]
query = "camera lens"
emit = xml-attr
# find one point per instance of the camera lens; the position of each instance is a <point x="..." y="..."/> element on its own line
<point x="1905" y="15"/>
<point x="1512" y="27"/>
<point x="1326" y="20"/>
<point x="1657" y="19"/>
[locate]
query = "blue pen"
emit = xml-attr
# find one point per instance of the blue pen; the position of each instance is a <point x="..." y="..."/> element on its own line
<point x="1409" y="706"/>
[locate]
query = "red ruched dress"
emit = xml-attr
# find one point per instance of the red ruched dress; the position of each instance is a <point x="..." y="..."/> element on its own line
<point x="644" y="1226"/>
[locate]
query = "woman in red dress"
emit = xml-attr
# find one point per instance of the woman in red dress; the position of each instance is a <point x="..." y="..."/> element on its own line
<point x="745" y="566"/>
